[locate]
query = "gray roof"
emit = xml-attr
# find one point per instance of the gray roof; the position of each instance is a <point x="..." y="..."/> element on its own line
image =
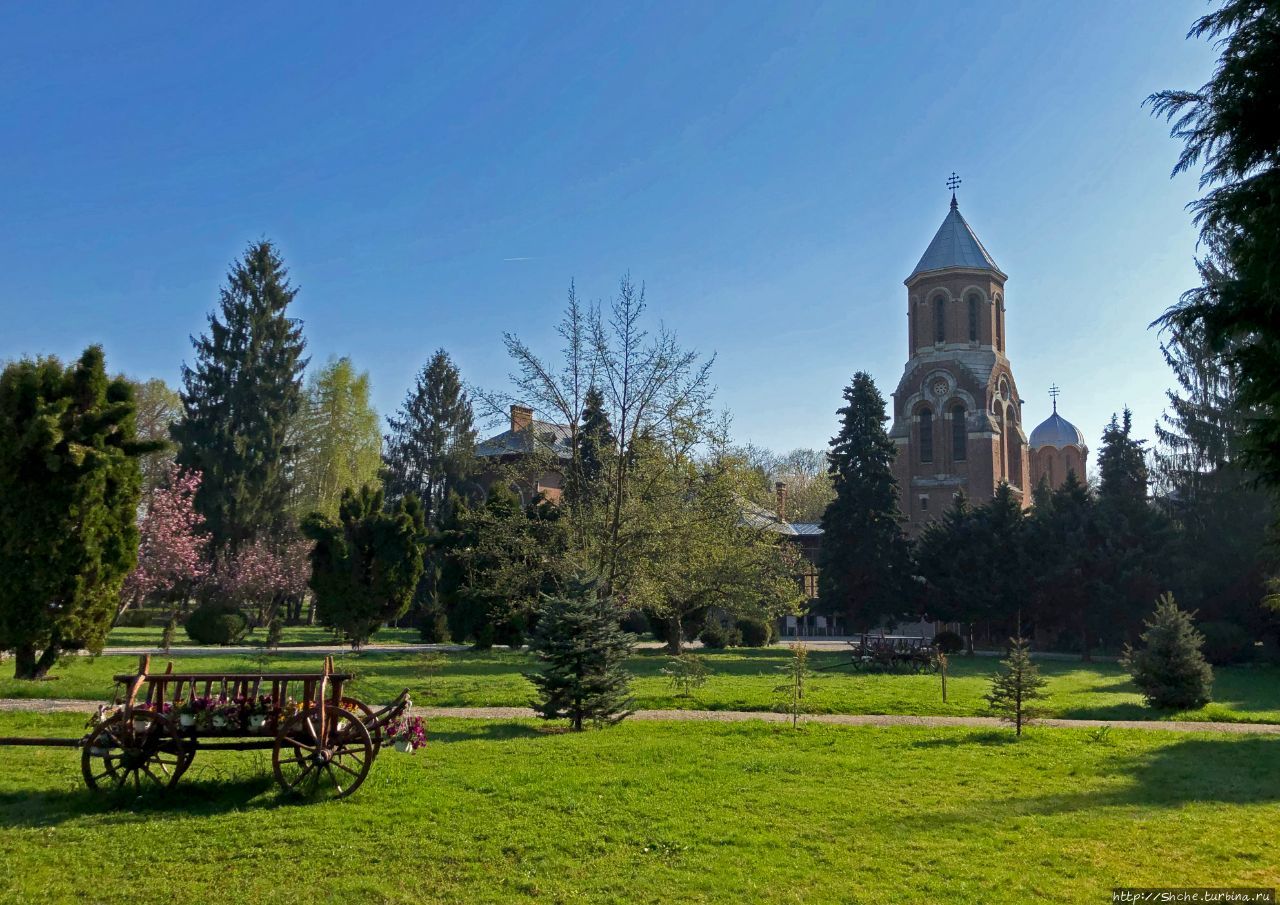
<point x="762" y="518"/>
<point x="955" y="245"/>
<point x="807" y="529"/>
<point x="1056" y="431"/>
<point x="549" y="438"/>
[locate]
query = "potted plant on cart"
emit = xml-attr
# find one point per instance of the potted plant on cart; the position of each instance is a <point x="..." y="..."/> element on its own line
<point x="194" y="712"/>
<point x="141" y="722"/>
<point x="225" y="716"/>
<point x="408" y="734"/>
<point x="257" y="712"/>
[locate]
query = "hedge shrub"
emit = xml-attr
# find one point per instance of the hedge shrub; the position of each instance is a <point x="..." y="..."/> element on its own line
<point x="755" y="632"/>
<point x="1225" y="642"/>
<point x="948" y="642"/>
<point x="217" y="622"/>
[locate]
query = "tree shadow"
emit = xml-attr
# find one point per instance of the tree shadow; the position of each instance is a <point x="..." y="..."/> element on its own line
<point x="989" y="738"/>
<point x="485" y="730"/>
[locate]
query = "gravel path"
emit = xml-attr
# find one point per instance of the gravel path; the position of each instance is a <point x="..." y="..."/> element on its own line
<point x="62" y="705"/>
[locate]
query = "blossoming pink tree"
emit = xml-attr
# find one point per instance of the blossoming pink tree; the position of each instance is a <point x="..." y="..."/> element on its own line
<point x="263" y="575"/>
<point x="173" y="551"/>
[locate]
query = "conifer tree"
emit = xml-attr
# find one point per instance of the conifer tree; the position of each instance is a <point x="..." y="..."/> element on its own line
<point x="1017" y="687"/>
<point x="596" y="444"/>
<point x="582" y="649"/>
<point x="430" y="445"/>
<point x="864" y="566"/>
<point x="240" y="400"/>
<point x="366" y="564"/>
<point x="1169" y="668"/>
<point x="70" y="484"/>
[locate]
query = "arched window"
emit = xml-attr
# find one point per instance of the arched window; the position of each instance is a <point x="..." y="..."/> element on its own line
<point x="973" y="318"/>
<point x="939" y="319"/>
<point x="999" y="325"/>
<point x="926" y="435"/>
<point x="959" y="435"/>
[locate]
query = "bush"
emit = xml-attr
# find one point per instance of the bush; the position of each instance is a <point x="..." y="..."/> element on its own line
<point x="1169" y="669"/>
<point x="217" y="622"/>
<point x="1225" y="642"/>
<point x="716" y="635"/>
<point x="433" y="626"/>
<point x="637" y="623"/>
<point x="755" y="632"/>
<point x="142" y="617"/>
<point x="948" y="643"/>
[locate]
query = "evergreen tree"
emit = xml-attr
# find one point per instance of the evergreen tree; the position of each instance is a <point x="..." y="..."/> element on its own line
<point x="1065" y="550"/>
<point x="70" y="485"/>
<point x="430" y="446"/>
<point x="596" y="446"/>
<point x="1228" y="127"/>
<point x="366" y="564"/>
<point x="944" y="557"/>
<point x="1017" y="687"/>
<point x="337" y="438"/>
<point x="1169" y="668"/>
<point x="864" y="565"/>
<point x="582" y="650"/>
<point x="240" y="401"/>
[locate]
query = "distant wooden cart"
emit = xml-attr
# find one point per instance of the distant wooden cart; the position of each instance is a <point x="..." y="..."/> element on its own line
<point x="322" y="743"/>
<point x="892" y="652"/>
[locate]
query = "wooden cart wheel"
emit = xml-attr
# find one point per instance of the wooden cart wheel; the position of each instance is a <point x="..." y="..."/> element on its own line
<point x="331" y="764"/>
<point x="367" y="715"/>
<point x="142" y="753"/>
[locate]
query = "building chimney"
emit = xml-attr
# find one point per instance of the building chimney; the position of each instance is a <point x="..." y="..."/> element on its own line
<point x="780" y="490"/>
<point x="521" y="417"/>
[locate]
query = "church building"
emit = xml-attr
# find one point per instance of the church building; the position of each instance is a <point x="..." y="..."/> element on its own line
<point x="957" y="415"/>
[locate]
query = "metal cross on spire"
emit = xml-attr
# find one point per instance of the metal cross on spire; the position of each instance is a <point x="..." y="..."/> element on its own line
<point x="1053" y="394"/>
<point x="953" y="183"/>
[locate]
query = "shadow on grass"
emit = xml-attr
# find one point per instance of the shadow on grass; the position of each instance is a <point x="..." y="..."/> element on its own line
<point x="484" y="732"/>
<point x="989" y="739"/>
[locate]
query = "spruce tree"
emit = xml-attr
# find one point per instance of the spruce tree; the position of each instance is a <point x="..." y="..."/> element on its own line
<point x="430" y="445"/>
<point x="1017" y="687"/>
<point x="70" y="485"/>
<point x="1169" y="668"/>
<point x="864" y="565"/>
<point x="582" y="649"/>
<point x="596" y="442"/>
<point x="240" y="401"/>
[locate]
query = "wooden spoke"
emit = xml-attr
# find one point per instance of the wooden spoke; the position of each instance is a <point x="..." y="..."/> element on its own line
<point x="318" y="770"/>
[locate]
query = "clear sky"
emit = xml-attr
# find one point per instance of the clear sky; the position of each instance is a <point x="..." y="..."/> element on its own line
<point x="437" y="174"/>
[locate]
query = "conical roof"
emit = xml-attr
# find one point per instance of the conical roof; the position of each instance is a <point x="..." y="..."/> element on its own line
<point x="955" y="245"/>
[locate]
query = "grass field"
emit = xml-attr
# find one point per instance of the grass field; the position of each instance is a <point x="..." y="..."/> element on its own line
<point x="739" y="680"/>
<point x="291" y="636"/>
<point x="664" y="812"/>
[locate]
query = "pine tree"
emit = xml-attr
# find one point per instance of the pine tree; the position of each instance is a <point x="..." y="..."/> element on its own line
<point x="864" y="565"/>
<point x="429" y="448"/>
<point x="70" y="484"/>
<point x="596" y="444"/>
<point x="1169" y="668"/>
<point x="582" y="650"/>
<point x="1017" y="687"/>
<point x="366" y="564"/>
<point x="240" y="401"/>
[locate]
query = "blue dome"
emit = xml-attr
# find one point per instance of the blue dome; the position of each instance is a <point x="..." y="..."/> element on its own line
<point x="1056" y="431"/>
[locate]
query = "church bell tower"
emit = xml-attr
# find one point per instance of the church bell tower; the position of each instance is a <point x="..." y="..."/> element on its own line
<point x="957" y="416"/>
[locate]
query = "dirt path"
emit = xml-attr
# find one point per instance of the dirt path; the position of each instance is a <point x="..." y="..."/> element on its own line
<point x="62" y="705"/>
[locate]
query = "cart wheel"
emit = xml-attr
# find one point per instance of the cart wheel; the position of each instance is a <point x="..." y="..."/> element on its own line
<point x="323" y="765"/>
<point x="367" y="717"/>
<point x="143" y="753"/>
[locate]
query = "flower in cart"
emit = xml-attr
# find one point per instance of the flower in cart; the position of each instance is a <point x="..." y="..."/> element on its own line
<point x="408" y="735"/>
<point x="102" y="714"/>
<point x="225" y="714"/>
<point x="195" y="712"/>
<point x="257" y="711"/>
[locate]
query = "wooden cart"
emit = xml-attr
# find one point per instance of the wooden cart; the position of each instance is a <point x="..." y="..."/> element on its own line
<point x="322" y="743"/>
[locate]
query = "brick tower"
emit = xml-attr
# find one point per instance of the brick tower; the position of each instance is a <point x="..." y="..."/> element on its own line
<point x="957" y="416"/>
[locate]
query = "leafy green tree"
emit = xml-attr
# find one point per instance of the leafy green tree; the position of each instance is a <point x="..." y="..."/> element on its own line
<point x="70" y="485"/>
<point x="1017" y="687"/>
<point x="1228" y="128"/>
<point x="1169" y="668"/>
<point x="240" y="401"/>
<point x="429" y="450"/>
<point x="337" y="438"/>
<point x="366" y="564"/>
<point x="158" y="408"/>
<point x="865" y="563"/>
<point x="582" y="651"/>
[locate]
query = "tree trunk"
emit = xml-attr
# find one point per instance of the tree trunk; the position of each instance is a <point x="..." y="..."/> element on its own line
<point x="675" y="636"/>
<point x="28" y="666"/>
<point x="970" y="639"/>
<point x="1085" y="654"/>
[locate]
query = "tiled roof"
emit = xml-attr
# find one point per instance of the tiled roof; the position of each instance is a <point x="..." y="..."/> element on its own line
<point x="543" y="435"/>
<point x="955" y="245"/>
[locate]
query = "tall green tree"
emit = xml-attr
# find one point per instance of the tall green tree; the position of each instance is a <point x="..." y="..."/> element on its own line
<point x="240" y="402"/>
<point x="429" y="449"/>
<point x="158" y="408"/>
<point x="337" y="438"/>
<point x="584" y="485"/>
<point x="865" y="563"/>
<point x="1228" y="128"/>
<point x="1065" y="550"/>
<point x="70" y="485"/>
<point x="366" y="563"/>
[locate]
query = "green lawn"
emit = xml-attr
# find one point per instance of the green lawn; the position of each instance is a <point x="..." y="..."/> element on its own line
<point x="664" y="812"/>
<point x="292" y="636"/>
<point x="740" y="680"/>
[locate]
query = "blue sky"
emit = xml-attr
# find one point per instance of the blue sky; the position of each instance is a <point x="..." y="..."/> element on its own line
<point x="435" y="175"/>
